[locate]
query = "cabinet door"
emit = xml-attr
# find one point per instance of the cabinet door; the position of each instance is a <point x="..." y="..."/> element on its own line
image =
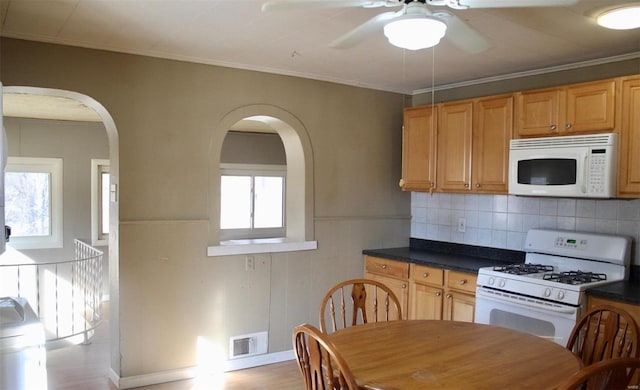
<point x="459" y="306"/>
<point x="539" y="112"/>
<point x="492" y="129"/>
<point x="629" y="142"/>
<point x="425" y="302"/>
<point x="398" y="286"/>
<point x="454" y="146"/>
<point x="419" y="149"/>
<point x="590" y="107"/>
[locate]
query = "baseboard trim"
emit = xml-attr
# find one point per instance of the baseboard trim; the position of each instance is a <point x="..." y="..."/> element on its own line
<point x="155" y="378"/>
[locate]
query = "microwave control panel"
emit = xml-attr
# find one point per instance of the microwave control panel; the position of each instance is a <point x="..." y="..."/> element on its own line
<point x="597" y="171"/>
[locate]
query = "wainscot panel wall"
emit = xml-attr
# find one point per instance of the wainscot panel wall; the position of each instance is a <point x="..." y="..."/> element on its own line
<point x="173" y="299"/>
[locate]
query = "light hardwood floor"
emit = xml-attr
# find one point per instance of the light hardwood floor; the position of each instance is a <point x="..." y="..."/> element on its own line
<point x="86" y="367"/>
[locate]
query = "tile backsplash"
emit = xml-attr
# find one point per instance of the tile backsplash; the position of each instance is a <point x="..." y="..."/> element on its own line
<point x="501" y="221"/>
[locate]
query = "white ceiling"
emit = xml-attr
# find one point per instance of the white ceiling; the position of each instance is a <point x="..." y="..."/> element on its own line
<point x="236" y="33"/>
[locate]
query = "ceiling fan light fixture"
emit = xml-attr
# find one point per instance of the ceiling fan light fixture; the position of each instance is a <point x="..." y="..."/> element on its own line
<point x="622" y="18"/>
<point x="415" y="32"/>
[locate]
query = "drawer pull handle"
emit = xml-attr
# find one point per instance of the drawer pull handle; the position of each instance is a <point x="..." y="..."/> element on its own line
<point x="449" y="296"/>
<point x="425" y="275"/>
<point x="384" y="266"/>
<point x="463" y="282"/>
<point x="438" y="294"/>
<point x="404" y="285"/>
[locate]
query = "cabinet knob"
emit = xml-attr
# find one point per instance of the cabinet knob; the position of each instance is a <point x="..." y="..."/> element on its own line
<point x="449" y="296"/>
<point x="477" y="185"/>
<point x="438" y="294"/>
<point x="384" y="266"/>
<point x="404" y="285"/>
<point x="466" y="185"/>
<point x="426" y="274"/>
<point x="463" y="282"/>
<point x="567" y="126"/>
<point x="401" y="183"/>
<point x="553" y="127"/>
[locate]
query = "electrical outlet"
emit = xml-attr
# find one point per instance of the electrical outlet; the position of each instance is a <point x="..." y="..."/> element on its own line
<point x="249" y="263"/>
<point x="462" y="225"/>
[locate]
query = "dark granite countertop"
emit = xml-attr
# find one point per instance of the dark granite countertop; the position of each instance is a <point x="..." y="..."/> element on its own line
<point x="469" y="258"/>
<point x="626" y="291"/>
<point x="456" y="257"/>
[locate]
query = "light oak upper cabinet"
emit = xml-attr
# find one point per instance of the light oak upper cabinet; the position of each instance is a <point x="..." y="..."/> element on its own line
<point x="585" y="107"/>
<point x="629" y="141"/>
<point x="455" y="122"/>
<point x="419" y="149"/>
<point x="473" y="144"/>
<point x="492" y="129"/>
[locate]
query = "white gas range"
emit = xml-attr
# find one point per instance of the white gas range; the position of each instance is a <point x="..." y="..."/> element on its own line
<point x="547" y="294"/>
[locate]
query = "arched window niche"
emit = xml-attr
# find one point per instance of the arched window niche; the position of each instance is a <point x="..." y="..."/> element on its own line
<point x="299" y="188"/>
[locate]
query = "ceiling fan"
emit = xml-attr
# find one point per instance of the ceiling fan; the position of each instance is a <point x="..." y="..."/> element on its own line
<point x="414" y="26"/>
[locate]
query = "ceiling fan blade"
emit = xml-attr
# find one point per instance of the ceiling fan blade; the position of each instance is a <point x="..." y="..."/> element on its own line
<point x="283" y="5"/>
<point x="364" y="30"/>
<point x="462" y="4"/>
<point x="462" y="35"/>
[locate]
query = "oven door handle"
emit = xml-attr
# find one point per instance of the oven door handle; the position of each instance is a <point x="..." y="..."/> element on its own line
<point x="563" y="310"/>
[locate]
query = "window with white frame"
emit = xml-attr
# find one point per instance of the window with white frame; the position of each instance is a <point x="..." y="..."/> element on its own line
<point x="33" y="202"/>
<point x="100" y="181"/>
<point x="252" y="201"/>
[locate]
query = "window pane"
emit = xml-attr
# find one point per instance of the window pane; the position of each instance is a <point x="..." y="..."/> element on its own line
<point x="235" y="202"/>
<point x="104" y="202"/>
<point x="268" y="202"/>
<point x="28" y="203"/>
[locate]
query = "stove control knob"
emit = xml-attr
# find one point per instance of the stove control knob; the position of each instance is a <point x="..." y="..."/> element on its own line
<point x="560" y="295"/>
<point x="501" y="282"/>
<point x="492" y="280"/>
<point x="547" y="292"/>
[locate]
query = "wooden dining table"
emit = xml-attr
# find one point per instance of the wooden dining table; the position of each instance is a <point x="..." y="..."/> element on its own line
<point x="432" y="354"/>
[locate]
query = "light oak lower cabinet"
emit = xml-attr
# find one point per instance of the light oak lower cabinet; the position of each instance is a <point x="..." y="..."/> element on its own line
<point x="394" y="274"/>
<point x="436" y="294"/>
<point x="632" y="309"/>
<point x="460" y="296"/>
<point x="426" y="289"/>
<point x="426" y="293"/>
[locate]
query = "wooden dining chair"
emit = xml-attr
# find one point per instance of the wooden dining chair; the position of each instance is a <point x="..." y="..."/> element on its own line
<point x="358" y="301"/>
<point x="613" y="374"/>
<point x="604" y="332"/>
<point x="321" y="365"/>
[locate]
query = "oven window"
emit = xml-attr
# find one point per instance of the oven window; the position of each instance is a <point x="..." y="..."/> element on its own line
<point x="547" y="171"/>
<point x="522" y="323"/>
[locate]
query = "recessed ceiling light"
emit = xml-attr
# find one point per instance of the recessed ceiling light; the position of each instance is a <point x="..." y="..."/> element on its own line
<point x="623" y="18"/>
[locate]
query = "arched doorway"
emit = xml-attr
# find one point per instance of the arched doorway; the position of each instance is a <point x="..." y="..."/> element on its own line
<point x="86" y="105"/>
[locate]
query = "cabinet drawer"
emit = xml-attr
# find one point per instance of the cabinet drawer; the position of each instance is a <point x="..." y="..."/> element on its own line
<point x="426" y="275"/>
<point x="396" y="269"/>
<point x="462" y="281"/>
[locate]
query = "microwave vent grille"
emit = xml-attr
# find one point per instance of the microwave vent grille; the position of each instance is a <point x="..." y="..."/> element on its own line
<point x="550" y="142"/>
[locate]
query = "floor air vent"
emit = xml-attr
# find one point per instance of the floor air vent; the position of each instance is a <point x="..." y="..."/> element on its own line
<point x="248" y="345"/>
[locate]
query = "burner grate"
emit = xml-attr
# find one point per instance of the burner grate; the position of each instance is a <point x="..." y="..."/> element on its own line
<point x="523" y="269"/>
<point x="575" y="277"/>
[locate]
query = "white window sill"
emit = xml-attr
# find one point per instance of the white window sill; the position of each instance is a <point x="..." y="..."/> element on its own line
<point x="263" y="245"/>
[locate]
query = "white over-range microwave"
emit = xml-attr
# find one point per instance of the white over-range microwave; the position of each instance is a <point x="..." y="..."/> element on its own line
<point x="573" y="167"/>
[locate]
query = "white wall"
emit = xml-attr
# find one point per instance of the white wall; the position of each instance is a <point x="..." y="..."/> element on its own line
<point x="502" y="221"/>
